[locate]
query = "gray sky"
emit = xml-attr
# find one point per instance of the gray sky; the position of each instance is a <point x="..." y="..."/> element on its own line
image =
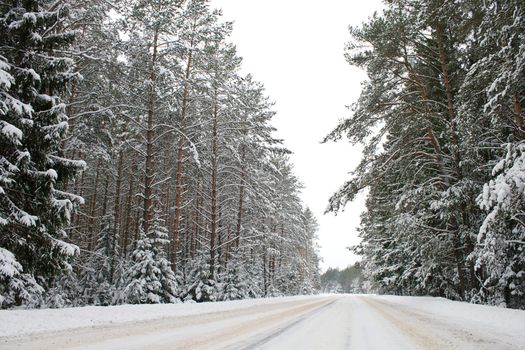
<point x="295" y="48"/>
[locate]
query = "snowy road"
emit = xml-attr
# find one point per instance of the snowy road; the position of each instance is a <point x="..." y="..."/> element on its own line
<point x="330" y="322"/>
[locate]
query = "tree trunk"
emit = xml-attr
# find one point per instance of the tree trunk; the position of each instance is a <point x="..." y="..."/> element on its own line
<point x="106" y="197"/>
<point x="179" y="186"/>
<point x="444" y="175"/>
<point x="241" y="199"/>
<point x="459" y="251"/>
<point x="213" y="215"/>
<point x="265" y="271"/>
<point x="92" y="211"/>
<point x="227" y="249"/>
<point x="149" y="173"/>
<point x="129" y="206"/>
<point x="518" y="111"/>
<point x="430" y="132"/>
<point x="199" y="201"/>
<point x="116" y="214"/>
<point x="450" y="99"/>
<point x="79" y="189"/>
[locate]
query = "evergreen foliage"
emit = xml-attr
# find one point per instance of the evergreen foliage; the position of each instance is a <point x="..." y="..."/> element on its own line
<point x="441" y="120"/>
<point x="97" y="278"/>
<point x="34" y="208"/>
<point x="188" y="194"/>
<point x="150" y="278"/>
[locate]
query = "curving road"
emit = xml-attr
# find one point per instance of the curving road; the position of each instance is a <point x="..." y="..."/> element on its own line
<point x="331" y="322"/>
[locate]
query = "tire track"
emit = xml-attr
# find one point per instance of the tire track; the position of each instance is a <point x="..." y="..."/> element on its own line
<point x="267" y="337"/>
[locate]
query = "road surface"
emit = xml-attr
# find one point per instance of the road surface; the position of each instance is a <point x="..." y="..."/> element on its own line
<point x="330" y="322"/>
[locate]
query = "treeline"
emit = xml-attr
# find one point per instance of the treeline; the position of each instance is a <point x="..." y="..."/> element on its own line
<point x="441" y="120"/>
<point x="137" y="165"/>
<point x="348" y="280"/>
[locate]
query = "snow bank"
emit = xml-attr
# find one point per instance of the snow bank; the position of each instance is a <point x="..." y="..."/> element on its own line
<point x="507" y="323"/>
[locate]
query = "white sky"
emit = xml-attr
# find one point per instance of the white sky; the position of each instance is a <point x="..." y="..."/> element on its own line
<point x="295" y="48"/>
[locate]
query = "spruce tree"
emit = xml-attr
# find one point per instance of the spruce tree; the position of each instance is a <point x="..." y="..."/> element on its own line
<point x="150" y="278"/>
<point x="34" y="78"/>
<point x="98" y="275"/>
<point x="497" y="112"/>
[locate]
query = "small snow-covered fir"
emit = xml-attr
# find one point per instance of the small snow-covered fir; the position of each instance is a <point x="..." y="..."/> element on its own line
<point x="150" y="278"/>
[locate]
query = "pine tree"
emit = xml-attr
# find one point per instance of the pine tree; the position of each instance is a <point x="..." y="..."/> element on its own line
<point x="434" y="119"/>
<point x="160" y="92"/>
<point x="65" y="291"/>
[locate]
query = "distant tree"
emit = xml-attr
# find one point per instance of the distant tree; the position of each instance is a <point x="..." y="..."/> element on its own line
<point x="348" y="280"/>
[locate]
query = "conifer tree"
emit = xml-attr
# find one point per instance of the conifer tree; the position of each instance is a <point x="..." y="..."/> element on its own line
<point x="34" y="79"/>
<point x="98" y="276"/>
<point x="499" y="73"/>
<point x="150" y="279"/>
<point x="166" y="122"/>
<point x="439" y="117"/>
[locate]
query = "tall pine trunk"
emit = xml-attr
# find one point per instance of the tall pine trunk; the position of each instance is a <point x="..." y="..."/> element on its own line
<point x="129" y="206"/>
<point x="179" y="186"/>
<point x="149" y="171"/>
<point x="116" y="215"/>
<point x="438" y="154"/>
<point x="518" y="112"/>
<point x="214" y="160"/>
<point x="241" y="200"/>
<point x="92" y="210"/>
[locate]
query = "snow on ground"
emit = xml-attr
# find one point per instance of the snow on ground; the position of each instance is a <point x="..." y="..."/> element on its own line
<point x="502" y="323"/>
<point x="24" y="322"/>
<point x="365" y="322"/>
<point x="347" y="324"/>
<point x="403" y="323"/>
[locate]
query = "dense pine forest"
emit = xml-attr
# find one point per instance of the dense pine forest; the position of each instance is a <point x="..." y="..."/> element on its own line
<point x="137" y="164"/>
<point x="441" y="121"/>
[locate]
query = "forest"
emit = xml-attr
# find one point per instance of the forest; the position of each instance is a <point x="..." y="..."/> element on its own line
<point x="137" y="163"/>
<point x="440" y="120"/>
<point x="348" y="280"/>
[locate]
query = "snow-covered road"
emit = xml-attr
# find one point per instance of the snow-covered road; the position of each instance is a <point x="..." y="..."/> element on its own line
<point x="327" y="322"/>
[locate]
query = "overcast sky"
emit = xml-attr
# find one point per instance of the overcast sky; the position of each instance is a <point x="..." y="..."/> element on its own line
<point x="295" y="48"/>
